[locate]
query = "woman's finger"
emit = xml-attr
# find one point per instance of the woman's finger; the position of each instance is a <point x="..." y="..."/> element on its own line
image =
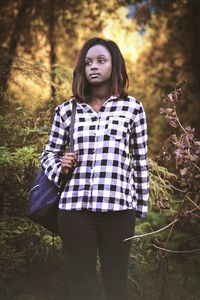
<point x="69" y="155"/>
<point x="67" y="165"/>
<point x="70" y="159"/>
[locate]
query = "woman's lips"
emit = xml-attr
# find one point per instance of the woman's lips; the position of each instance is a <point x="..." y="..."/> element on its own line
<point x="95" y="75"/>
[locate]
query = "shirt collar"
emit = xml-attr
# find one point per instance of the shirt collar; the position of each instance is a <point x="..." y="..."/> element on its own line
<point x="107" y="100"/>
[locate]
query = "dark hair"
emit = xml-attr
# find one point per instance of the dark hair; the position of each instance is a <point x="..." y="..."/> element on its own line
<point x="119" y="77"/>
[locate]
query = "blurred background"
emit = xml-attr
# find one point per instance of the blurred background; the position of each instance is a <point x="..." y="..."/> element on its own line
<point x="39" y="42"/>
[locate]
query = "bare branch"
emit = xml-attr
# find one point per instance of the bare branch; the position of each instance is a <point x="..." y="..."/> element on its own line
<point x="176" y="251"/>
<point x="178" y="120"/>
<point x="151" y="233"/>
<point x="195" y="165"/>
<point x="177" y="216"/>
<point x="188" y="198"/>
<point x="194" y="215"/>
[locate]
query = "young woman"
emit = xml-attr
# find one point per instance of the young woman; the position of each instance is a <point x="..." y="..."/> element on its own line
<point x="109" y="184"/>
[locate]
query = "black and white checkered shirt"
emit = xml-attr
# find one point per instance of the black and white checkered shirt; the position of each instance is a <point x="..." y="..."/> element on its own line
<point x="112" y="172"/>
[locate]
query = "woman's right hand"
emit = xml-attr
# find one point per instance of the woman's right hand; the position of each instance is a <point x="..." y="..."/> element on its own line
<point x="68" y="161"/>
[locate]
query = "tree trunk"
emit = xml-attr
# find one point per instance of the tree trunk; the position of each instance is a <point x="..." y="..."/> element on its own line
<point x="194" y="23"/>
<point x="52" y="22"/>
<point x="6" y="69"/>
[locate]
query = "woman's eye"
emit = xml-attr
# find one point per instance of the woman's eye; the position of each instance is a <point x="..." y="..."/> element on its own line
<point x="102" y="61"/>
<point x="88" y="63"/>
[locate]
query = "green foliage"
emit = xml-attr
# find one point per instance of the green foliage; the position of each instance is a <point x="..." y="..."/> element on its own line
<point x="19" y="157"/>
<point x="160" y="180"/>
<point x="26" y="247"/>
<point x="152" y="276"/>
<point x="17" y="169"/>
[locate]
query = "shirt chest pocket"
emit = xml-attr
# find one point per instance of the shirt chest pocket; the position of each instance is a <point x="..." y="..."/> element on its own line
<point x="117" y="128"/>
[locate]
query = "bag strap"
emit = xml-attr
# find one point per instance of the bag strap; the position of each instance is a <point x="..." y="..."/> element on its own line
<point x="71" y="143"/>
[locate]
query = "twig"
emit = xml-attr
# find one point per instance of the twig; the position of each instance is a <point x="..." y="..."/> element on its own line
<point x="168" y="237"/>
<point x="194" y="215"/>
<point x="193" y="238"/>
<point x="192" y="202"/>
<point x="195" y="165"/>
<point x="178" y="190"/>
<point x="178" y="120"/>
<point x="175" y="251"/>
<point x="151" y="233"/>
<point x="171" y="185"/>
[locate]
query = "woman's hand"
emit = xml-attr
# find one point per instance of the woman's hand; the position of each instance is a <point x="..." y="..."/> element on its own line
<point x="68" y="161"/>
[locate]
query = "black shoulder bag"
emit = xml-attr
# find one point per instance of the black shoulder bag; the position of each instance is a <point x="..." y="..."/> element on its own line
<point x="44" y="195"/>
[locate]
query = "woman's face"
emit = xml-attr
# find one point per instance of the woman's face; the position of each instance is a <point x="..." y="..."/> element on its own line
<point x="98" y="65"/>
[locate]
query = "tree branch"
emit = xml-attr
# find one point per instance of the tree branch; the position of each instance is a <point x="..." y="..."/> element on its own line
<point x="176" y="218"/>
<point x="151" y="233"/>
<point x="175" y="251"/>
<point x="188" y="198"/>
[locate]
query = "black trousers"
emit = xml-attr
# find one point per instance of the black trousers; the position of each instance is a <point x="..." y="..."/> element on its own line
<point x="84" y="235"/>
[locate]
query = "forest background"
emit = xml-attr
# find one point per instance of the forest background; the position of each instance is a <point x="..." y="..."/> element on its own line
<point x="39" y="42"/>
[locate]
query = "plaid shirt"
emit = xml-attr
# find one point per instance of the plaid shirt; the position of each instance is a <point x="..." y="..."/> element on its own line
<point x="112" y="171"/>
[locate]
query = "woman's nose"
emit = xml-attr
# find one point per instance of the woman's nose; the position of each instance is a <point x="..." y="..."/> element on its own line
<point x="93" y="67"/>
